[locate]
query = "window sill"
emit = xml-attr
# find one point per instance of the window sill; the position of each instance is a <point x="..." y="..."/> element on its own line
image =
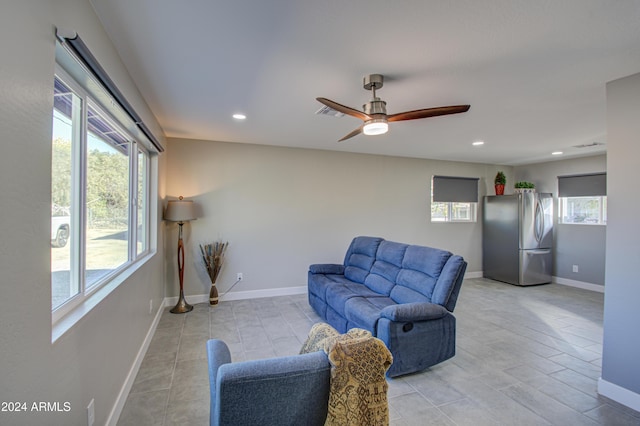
<point x="66" y="323"/>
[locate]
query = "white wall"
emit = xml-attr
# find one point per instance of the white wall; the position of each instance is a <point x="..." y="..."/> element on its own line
<point x="282" y="209"/>
<point x="620" y="366"/>
<point x="582" y="245"/>
<point x="92" y="359"/>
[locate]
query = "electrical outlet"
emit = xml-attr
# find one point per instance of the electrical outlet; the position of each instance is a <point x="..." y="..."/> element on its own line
<point x="91" y="415"/>
<point x="239" y="278"/>
<point x="575" y="268"/>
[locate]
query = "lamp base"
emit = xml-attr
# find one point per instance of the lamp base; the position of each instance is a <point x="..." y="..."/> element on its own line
<point x="182" y="306"/>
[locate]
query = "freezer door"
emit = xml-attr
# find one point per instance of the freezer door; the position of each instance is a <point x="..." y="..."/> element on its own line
<point x="535" y="267"/>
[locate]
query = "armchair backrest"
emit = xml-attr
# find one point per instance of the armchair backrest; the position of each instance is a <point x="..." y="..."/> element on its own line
<point x="276" y="391"/>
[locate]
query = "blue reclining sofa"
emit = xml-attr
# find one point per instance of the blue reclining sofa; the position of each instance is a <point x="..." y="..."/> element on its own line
<point x="403" y="294"/>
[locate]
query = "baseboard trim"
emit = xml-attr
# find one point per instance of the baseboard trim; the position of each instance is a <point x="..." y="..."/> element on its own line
<point x="619" y="394"/>
<point x="579" y="284"/>
<point x="241" y="295"/>
<point x="114" y="415"/>
<point x="477" y="274"/>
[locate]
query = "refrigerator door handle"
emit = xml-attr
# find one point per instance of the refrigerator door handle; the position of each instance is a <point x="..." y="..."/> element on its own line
<point x="534" y="252"/>
<point x="539" y="221"/>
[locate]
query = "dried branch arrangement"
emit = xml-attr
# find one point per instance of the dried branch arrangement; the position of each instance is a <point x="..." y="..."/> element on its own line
<point x="213" y="257"/>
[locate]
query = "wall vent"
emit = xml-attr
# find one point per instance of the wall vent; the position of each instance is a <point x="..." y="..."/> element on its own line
<point x="588" y="145"/>
<point x="325" y="110"/>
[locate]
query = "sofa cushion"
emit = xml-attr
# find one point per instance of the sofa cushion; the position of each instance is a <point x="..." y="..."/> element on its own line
<point x="425" y="259"/>
<point x="446" y="293"/>
<point x="318" y="284"/>
<point x="386" y="267"/>
<point x="364" y="312"/>
<point x="358" y="268"/>
<point x="338" y="294"/>
<point x="421" y="268"/>
<point x="360" y="258"/>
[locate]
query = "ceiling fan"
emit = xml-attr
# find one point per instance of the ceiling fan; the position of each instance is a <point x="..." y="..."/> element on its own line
<point x="375" y="112"/>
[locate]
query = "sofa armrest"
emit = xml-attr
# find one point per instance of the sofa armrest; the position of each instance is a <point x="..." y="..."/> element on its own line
<point x="414" y="312"/>
<point x="285" y="390"/>
<point x="326" y="268"/>
<point x="218" y="354"/>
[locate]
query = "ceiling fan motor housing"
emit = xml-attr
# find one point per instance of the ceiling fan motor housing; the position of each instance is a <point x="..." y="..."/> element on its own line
<point x="376" y="106"/>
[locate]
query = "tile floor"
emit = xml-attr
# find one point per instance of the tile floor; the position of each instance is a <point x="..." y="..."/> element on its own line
<point x="525" y="356"/>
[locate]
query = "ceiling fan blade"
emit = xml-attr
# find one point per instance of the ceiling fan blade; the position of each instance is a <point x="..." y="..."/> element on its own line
<point x="428" y="112"/>
<point x="356" y="132"/>
<point x="344" y="109"/>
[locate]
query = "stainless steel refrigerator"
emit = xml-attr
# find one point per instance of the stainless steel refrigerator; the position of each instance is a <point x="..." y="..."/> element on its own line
<point x="517" y="238"/>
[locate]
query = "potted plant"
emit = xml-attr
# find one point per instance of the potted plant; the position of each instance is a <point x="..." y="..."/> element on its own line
<point x="524" y="186"/>
<point x="499" y="182"/>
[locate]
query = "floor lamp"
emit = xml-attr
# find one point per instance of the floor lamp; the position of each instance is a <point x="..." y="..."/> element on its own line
<point x="180" y="211"/>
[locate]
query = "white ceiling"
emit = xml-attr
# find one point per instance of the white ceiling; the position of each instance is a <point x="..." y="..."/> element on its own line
<point x="534" y="72"/>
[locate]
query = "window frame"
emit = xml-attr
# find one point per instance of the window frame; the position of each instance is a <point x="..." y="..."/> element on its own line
<point x="602" y="211"/>
<point x="449" y="205"/>
<point x="62" y="316"/>
<point x="473" y="212"/>
<point x="583" y="185"/>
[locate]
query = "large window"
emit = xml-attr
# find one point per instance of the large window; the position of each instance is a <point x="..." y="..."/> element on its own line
<point x="99" y="196"/>
<point x="454" y="199"/>
<point x="582" y="199"/>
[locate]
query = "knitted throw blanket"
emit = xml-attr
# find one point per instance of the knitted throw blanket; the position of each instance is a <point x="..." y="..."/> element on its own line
<point x="359" y="361"/>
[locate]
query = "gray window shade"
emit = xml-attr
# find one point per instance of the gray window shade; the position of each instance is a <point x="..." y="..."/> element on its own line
<point x="591" y="185"/>
<point x="450" y="189"/>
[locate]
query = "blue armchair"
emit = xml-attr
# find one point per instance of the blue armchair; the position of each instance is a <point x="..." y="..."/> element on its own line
<point x="291" y="390"/>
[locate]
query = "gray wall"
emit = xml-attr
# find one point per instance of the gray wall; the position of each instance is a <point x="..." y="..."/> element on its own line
<point x="582" y="245"/>
<point x="282" y="209"/>
<point x="620" y="366"/>
<point x="92" y="359"/>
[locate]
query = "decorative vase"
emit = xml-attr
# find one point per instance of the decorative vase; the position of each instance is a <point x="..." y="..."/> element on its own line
<point x="213" y="295"/>
<point x="213" y="257"/>
<point x="499" y="189"/>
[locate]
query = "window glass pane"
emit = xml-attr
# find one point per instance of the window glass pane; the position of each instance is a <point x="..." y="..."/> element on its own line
<point x="66" y="138"/>
<point x="461" y="211"/>
<point x="439" y="212"/>
<point x="107" y="199"/>
<point x="143" y="243"/>
<point x="586" y="210"/>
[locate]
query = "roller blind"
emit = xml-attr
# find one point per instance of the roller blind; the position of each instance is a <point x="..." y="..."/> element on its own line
<point x="451" y="189"/>
<point x="76" y="58"/>
<point x="587" y="185"/>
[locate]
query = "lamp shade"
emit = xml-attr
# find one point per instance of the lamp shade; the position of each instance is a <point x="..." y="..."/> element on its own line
<point x="180" y="211"/>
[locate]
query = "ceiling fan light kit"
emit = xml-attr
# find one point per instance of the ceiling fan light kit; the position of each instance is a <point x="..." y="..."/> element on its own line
<point x="377" y="126"/>
<point x="375" y="111"/>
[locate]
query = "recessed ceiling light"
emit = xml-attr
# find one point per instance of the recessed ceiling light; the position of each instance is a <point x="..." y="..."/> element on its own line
<point x="557" y="153"/>
<point x="478" y="143"/>
<point x="239" y="116"/>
